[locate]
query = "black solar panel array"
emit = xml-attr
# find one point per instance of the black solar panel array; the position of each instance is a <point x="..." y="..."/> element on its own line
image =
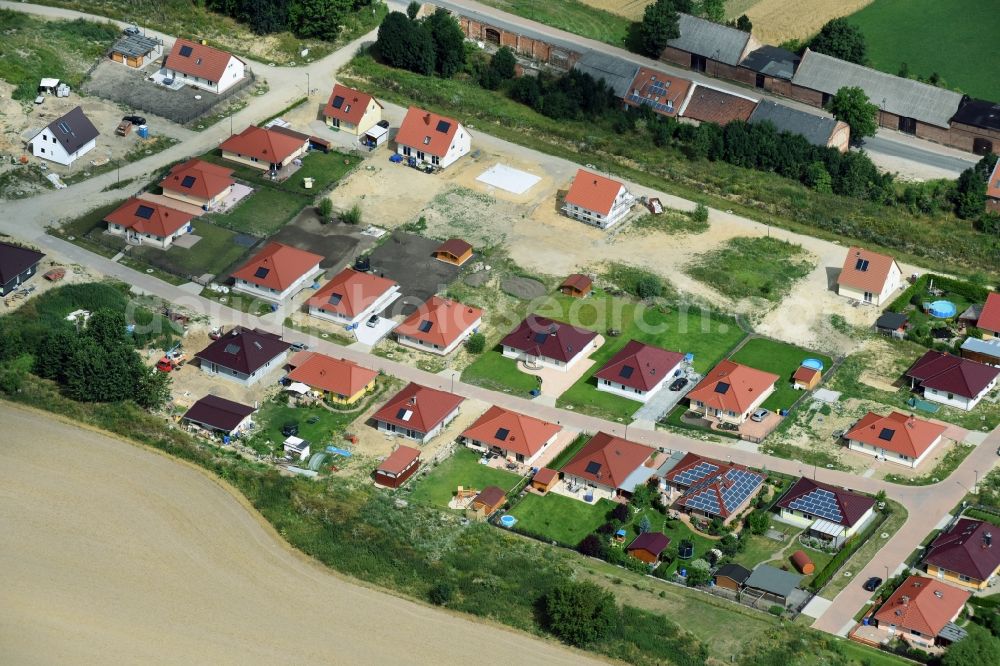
<point x="819" y="502"/>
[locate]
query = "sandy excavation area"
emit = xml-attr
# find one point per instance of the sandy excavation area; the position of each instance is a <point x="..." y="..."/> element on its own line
<point x="122" y="555"/>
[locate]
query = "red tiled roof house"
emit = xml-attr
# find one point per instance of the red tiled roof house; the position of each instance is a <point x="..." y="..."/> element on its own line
<point x="243" y="355"/>
<point x="143" y="222"/>
<point x="439" y="325"/>
<point x="597" y="200"/>
<point x="953" y="381"/>
<point x="351" y="297"/>
<point x="264" y="149"/>
<point x="610" y="465"/>
<point x="277" y="272"/>
<point x="989" y="318"/>
<point x="539" y="341"/>
<point x="351" y="110"/>
<point x="920" y="609"/>
<point x="705" y="104"/>
<point x="428" y="137"/>
<point x="399" y="466"/>
<point x="203" y="67"/>
<point x="905" y="440"/>
<point x="511" y="435"/>
<point x="638" y="371"/>
<point x="827" y="512"/>
<point x="868" y="277"/>
<point x="340" y="381"/>
<point x="731" y="392"/>
<point x="966" y="554"/>
<point x="662" y="93"/>
<point x="417" y="412"/>
<point x="199" y="183"/>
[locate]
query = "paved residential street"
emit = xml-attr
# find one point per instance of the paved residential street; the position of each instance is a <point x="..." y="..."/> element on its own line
<point x="27" y="220"/>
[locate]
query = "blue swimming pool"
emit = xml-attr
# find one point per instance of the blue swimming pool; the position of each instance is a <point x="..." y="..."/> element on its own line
<point x="942" y="309"/>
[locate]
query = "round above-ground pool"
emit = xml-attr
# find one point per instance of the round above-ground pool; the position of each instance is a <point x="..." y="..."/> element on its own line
<point x="942" y="309"/>
<point x="813" y="363"/>
<point x="508" y="520"/>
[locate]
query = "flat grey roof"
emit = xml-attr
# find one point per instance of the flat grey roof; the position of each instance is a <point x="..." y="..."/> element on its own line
<point x="775" y="581"/>
<point x="903" y="97"/>
<point x="988" y="347"/>
<point x="616" y="72"/>
<point x="815" y="129"/>
<point x="773" y="61"/>
<point x="712" y="40"/>
<point x="135" y="45"/>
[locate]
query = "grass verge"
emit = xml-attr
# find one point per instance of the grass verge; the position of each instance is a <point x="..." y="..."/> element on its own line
<point x="752" y="267"/>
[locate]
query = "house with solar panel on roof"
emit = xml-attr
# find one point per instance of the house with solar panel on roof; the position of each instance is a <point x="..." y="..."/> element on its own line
<point x="710" y="488"/>
<point x="148" y="223"/>
<point x="243" y="355"/>
<point x="429" y="138"/>
<point x="351" y="110"/>
<point x="203" y="67"/>
<point x="198" y="183"/>
<point x="66" y="139"/>
<point x="827" y="512"/>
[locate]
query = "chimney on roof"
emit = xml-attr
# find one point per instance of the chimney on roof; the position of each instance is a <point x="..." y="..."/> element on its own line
<point x="904" y="600"/>
<point x="413" y="400"/>
<point x="427" y="119"/>
<point x="937" y="593"/>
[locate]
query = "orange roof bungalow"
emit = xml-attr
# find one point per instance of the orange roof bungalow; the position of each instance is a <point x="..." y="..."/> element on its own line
<point x="199" y="183"/>
<point x="609" y="464"/>
<point x="576" y="285"/>
<point x="731" y="392"/>
<point x="806" y="378"/>
<point x="545" y="479"/>
<point x="439" y="325"/>
<point x="868" y="277"/>
<point x="201" y="66"/>
<point x="351" y="110"/>
<point x="904" y="440"/>
<point x="351" y="297"/>
<point x="597" y="200"/>
<point x="417" y="412"/>
<point x="511" y="435"/>
<point x="340" y="381"/>
<point x="453" y="251"/>
<point x="920" y="609"/>
<point x="277" y="272"/>
<point x="143" y="222"/>
<point x="264" y="149"/>
<point x="429" y="137"/>
<point x="399" y="466"/>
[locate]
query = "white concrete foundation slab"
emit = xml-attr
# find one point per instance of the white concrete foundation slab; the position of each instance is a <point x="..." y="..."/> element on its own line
<point x="508" y="179"/>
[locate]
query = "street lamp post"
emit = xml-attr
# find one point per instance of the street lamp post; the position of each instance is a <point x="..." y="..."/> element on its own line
<point x="308" y="85"/>
<point x="887" y="572"/>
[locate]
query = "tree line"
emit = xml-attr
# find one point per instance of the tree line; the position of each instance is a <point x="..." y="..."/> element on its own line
<point x="320" y="19"/>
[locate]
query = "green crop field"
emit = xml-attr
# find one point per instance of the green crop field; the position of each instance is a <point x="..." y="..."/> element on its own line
<point x="571" y="16"/>
<point x="957" y="39"/>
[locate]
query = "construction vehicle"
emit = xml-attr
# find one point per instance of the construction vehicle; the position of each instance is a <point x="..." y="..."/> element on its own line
<point x="215" y="333"/>
<point x="172" y="360"/>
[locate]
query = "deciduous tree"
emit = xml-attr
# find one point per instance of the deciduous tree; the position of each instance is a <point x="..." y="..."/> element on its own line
<point x="658" y="26"/>
<point x="852" y="106"/>
<point x="840" y="39"/>
<point x="580" y="613"/>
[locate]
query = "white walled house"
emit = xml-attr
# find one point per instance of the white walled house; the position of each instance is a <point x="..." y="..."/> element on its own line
<point x="828" y="512"/>
<point x="869" y="277"/>
<point x="418" y="413"/>
<point x="511" y="435"/>
<point x="439" y="325"/>
<point x="265" y="149"/>
<point x="277" y="272"/>
<point x="952" y="381"/>
<point x="243" y="355"/>
<point x="898" y="438"/>
<point x="351" y="297"/>
<point x="143" y="222"/>
<point x="66" y="139"/>
<point x="542" y="342"/>
<point x="638" y="371"/>
<point x="351" y="110"/>
<point x="203" y="67"/>
<point x="731" y="392"/>
<point x="597" y="200"/>
<point x="430" y="138"/>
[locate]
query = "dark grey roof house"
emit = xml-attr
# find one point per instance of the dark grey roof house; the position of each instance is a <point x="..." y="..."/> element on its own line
<point x="244" y="355"/>
<point x="817" y="130"/>
<point x="713" y="41"/>
<point x="215" y="413"/>
<point x="772" y="61"/>
<point x="66" y="138"/>
<point x="17" y="264"/>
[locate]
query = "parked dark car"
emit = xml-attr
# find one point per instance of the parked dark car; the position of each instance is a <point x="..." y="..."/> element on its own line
<point x="289" y="429"/>
<point x="384" y="124"/>
<point x="873" y="584"/>
<point x="138" y="121"/>
<point x="132" y="30"/>
<point x="299" y="346"/>
<point x="678" y="383"/>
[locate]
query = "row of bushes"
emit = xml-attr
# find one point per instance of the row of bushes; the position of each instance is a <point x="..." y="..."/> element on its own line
<point x="820" y="580"/>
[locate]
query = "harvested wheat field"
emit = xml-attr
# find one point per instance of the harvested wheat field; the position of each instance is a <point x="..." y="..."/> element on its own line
<point x="115" y="554"/>
<point x="631" y="9"/>
<point x="777" y="21"/>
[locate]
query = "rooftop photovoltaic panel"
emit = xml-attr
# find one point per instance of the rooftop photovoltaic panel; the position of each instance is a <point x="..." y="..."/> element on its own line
<point x="443" y="126"/>
<point x="232" y="349"/>
<point x="404" y="414"/>
<point x="426" y="326"/>
<point x="593" y="467"/>
<point x="335" y="299"/>
<point x="185" y="51"/>
<point x="722" y="387"/>
<point x="145" y="212"/>
<point x="626" y="371"/>
<point x="261" y="272"/>
<point x="188" y="181"/>
<point x="820" y="503"/>
<point x="861" y="265"/>
<point x="540" y="338"/>
<point x="886" y="434"/>
<point x="338" y="101"/>
<point x="696" y="473"/>
<point x="64" y="127"/>
<point x="502" y="434"/>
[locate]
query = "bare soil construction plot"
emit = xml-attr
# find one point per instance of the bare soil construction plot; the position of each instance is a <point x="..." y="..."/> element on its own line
<point x="175" y="568"/>
<point x="406" y="258"/>
<point x="339" y="243"/>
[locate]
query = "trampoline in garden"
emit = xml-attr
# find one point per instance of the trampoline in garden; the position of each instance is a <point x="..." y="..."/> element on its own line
<point x="942" y="309"/>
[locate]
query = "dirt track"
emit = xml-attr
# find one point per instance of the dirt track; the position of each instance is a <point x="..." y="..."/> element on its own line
<point x="112" y="553"/>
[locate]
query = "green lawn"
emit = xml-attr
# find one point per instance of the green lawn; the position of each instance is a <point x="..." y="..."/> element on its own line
<point x="491" y="370"/>
<point x="571" y="16"/>
<point x="215" y="253"/>
<point x="273" y="415"/>
<point x="560" y="518"/>
<point x="461" y="469"/>
<point x="818" y="557"/>
<point x="760" y="267"/>
<point x="326" y="168"/>
<point x="761" y="549"/>
<point x="863" y="555"/>
<point x="569" y="452"/>
<point x="782" y="359"/>
<point x="676" y="530"/>
<point x="262" y="213"/>
<point x="963" y="32"/>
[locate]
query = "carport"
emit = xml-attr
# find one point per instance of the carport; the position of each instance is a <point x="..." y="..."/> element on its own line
<point x="375" y="137"/>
